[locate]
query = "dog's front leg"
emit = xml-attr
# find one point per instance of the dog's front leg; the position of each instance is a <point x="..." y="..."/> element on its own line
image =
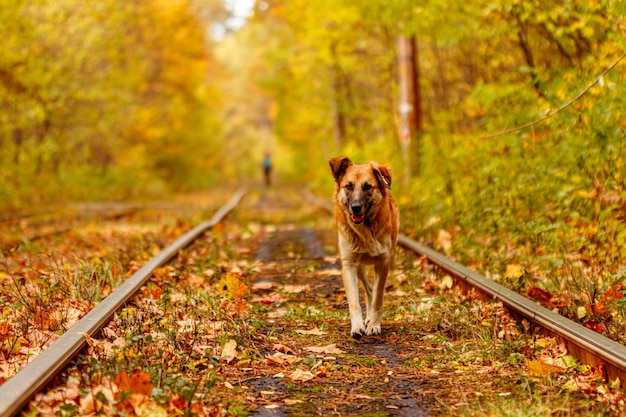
<point x="375" y="312"/>
<point x="351" y="285"/>
<point x="367" y="287"/>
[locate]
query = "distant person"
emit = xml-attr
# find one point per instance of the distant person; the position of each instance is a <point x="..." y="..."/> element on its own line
<point x="267" y="169"/>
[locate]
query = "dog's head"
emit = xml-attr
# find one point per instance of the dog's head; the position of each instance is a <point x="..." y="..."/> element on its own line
<point x="360" y="188"/>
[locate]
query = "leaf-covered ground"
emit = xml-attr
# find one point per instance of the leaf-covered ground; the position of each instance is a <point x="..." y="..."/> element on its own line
<point x="251" y="320"/>
<point x="57" y="263"/>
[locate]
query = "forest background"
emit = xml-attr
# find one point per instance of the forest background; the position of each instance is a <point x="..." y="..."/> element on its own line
<point x="116" y="100"/>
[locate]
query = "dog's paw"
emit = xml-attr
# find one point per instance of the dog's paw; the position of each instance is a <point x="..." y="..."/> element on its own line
<point x="358" y="332"/>
<point x="373" y="329"/>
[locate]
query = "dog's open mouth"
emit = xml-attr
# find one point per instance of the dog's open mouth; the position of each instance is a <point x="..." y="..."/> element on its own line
<point x="358" y="218"/>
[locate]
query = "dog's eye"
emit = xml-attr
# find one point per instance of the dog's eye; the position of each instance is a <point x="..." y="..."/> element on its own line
<point x="366" y="187"/>
<point x="349" y="186"/>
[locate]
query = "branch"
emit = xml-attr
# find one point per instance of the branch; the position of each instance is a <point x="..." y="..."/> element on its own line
<point x="563" y="107"/>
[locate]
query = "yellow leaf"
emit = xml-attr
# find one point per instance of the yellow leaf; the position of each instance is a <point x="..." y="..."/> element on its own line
<point x="514" y="271"/>
<point x="231" y="286"/>
<point x="540" y="368"/>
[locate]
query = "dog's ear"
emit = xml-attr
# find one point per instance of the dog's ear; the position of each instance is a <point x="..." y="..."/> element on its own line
<point x="338" y="166"/>
<point x="383" y="174"/>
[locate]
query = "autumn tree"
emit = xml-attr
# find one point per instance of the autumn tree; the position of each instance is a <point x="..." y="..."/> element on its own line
<point x="103" y="93"/>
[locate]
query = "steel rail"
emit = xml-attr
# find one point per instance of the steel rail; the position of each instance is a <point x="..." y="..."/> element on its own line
<point x="589" y="347"/>
<point x="18" y="390"/>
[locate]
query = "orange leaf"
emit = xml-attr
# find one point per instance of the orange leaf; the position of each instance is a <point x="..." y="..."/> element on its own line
<point x="597" y="309"/>
<point x="540" y="295"/>
<point x="613" y="293"/>
<point x="233" y="287"/>
<point x="138" y="382"/>
<point x="122" y="381"/>
<point x="178" y="402"/>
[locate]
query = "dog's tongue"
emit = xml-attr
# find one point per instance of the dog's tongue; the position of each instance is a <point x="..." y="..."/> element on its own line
<point x="357" y="218"/>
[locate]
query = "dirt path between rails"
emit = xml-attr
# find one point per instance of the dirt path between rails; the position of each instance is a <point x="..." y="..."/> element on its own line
<point x="311" y="365"/>
<point x="298" y="281"/>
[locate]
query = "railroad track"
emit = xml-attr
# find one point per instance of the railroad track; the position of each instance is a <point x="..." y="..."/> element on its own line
<point x="31" y="226"/>
<point x="590" y="347"/>
<point x="18" y="390"/>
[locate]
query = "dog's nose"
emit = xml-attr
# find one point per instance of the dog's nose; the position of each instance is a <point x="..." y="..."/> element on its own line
<point x="356" y="208"/>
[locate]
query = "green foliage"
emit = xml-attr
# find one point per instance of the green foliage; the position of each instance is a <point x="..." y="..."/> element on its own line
<point x="550" y="196"/>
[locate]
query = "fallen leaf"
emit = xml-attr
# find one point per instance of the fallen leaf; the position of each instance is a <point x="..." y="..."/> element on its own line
<point x="90" y="403"/>
<point x="301" y="376"/>
<point x="514" y="271"/>
<point x="141" y="383"/>
<point x="279" y="347"/>
<point x="313" y="332"/>
<point x="229" y="351"/>
<point x="278" y="358"/>
<point x="330" y="272"/>
<point x="289" y="401"/>
<point x="279" y="312"/>
<point x="138" y="382"/>
<point x="597" y="309"/>
<point x="243" y="363"/>
<point x="88" y="340"/>
<point x="295" y="289"/>
<point x="264" y="286"/>
<point x="232" y="286"/>
<point x="447" y="282"/>
<point x="329" y="349"/>
<point x="595" y="326"/>
<point x="541" y="368"/>
<point x="540" y="295"/>
<point x="443" y="240"/>
<point x="614" y="292"/>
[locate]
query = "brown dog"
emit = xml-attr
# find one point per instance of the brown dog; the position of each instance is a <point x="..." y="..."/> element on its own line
<point x="367" y="221"/>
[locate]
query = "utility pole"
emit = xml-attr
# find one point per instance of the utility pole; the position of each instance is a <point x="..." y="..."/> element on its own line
<point x="409" y="107"/>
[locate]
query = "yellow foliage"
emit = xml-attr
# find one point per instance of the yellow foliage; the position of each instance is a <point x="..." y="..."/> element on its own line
<point x="231" y="286"/>
<point x="514" y="271"/>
